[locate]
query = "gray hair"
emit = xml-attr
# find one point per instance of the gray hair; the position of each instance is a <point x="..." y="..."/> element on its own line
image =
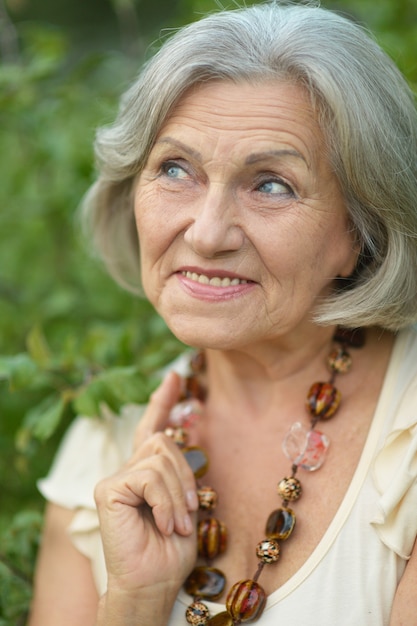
<point x="366" y="111"/>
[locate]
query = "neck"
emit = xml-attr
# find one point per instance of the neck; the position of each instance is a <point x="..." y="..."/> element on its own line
<point x="254" y="376"/>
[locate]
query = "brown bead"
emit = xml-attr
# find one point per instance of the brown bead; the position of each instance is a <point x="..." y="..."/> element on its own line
<point x="197" y="460"/>
<point x="221" y="619"/>
<point x="340" y="361"/>
<point x="246" y="601"/>
<point x="193" y="389"/>
<point x="323" y="400"/>
<point x="211" y="538"/>
<point x="268" y="551"/>
<point x="206" y="582"/>
<point x="280" y="524"/>
<point x="289" y="489"/>
<point x="197" y="614"/>
<point x="354" y="337"/>
<point x="207" y="498"/>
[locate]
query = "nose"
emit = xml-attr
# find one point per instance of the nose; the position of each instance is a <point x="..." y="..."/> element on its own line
<point x="215" y="229"/>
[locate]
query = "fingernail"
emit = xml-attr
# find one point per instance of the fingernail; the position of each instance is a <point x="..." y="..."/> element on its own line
<point x="192" y="499"/>
<point x="188" y="525"/>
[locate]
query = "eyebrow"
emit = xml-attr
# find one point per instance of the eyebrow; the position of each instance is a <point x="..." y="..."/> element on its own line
<point x="261" y="156"/>
<point x="181" y="146"/>
<point x="250" y="160"/>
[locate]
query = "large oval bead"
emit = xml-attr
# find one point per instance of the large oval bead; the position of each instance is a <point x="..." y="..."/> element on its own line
<point x="280" y="524"/>
<point x="289" y="489"/>
<point x="246" y="601"/>
<point x="197" y="614"/>
<point x="211" y="538"/>
<point x="197" y="460"/>
<point x="323" y="400"/>
<point x="206" y="582"/>
<point x="221" y="619"/>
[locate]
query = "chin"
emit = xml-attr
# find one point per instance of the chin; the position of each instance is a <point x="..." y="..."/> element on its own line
<point x="204" y="334"/>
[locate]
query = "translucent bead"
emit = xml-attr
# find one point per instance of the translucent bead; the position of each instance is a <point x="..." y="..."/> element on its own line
<point x="323" y="400"/>
<point x="305" y="447"/>
<point x="268" y="551"/>
<point x="185" y="413"/>
<point x="289" y="489"/>
<point x="211" y="538"/>
<point x="197" y="614"/>
<point x="280" y="524"/>
<point x="246" y="601"/>
<point x="339" y="361"/>
<point x="197" y="460"/>
<point x="207" y="498"/>
<point x="178" y="434"/>
<point x="206" y="582"/>
<point x="221" y="619"/>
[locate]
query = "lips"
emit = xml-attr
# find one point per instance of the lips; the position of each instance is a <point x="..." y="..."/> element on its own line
<point x="214" y="281"/>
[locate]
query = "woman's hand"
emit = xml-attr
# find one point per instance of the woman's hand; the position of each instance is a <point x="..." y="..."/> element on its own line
<point x="147" y="520"/>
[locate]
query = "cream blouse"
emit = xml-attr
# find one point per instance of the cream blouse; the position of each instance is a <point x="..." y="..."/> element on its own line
<point x="352" y="575"/>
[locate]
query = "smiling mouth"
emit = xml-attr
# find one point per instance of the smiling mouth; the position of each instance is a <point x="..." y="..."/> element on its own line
<point x="215" y="281"/>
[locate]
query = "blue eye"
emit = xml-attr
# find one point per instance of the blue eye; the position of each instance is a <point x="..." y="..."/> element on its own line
<point x="173" y="170"/>
<point x="275" y="187"/>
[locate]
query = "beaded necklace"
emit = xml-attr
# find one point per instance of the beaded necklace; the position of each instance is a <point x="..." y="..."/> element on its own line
<point x="306" y="449"/>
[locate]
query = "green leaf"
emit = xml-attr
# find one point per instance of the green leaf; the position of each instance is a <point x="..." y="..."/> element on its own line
<point x="43" y="419"/>
<point x="38" y="347"/>
<point x="20" y="370"/>
<point x="114" y="387"/>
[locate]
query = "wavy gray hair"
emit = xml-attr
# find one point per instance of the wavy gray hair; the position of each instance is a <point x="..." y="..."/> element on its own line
<point x="366" y="111"/>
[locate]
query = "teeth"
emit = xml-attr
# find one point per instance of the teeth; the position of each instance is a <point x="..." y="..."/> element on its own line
<point x="216" y="281"/>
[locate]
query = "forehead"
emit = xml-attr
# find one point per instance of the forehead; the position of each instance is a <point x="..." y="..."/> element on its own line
<point x="266" y="112"/>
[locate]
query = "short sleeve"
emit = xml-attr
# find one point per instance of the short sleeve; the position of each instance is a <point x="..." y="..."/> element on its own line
<point x="395" y="477"/>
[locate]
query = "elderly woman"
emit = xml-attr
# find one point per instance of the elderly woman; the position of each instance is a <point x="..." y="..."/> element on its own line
<point x="263" y="166"/>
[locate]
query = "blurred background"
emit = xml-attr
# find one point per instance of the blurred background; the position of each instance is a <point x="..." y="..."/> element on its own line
<point x="69" y="337"/>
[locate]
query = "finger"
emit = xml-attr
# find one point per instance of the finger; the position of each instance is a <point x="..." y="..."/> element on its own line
<point x="162" y="446"/>
<point x="160" y="404"/>
<point x="152" y="486"/>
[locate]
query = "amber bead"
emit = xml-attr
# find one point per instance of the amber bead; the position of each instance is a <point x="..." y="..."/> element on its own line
<point x="323" y="400"/>
<point x="197" y="614"/>
<point x="211" y="538"/>
<point x="193" y="389"/>
<point x="206" y="582"/>
<point x="280" y="524"/>
<point x="354" y="337"/>
<point x="289" y="489"/>
<point x="339" y="361"/>
<point x="268" y="551"/>
<point x="207" y="498"/>
<point x="177" y="434"/>
<point x="221" y="619"/>
<point x="246" y="601"/>
<point x="197" y="460"/>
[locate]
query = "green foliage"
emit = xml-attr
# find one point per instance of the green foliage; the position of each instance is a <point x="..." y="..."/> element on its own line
<point x="70" y="339"/>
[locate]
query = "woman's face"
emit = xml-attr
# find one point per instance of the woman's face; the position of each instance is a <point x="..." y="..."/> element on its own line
<point x="241" y="221"/>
